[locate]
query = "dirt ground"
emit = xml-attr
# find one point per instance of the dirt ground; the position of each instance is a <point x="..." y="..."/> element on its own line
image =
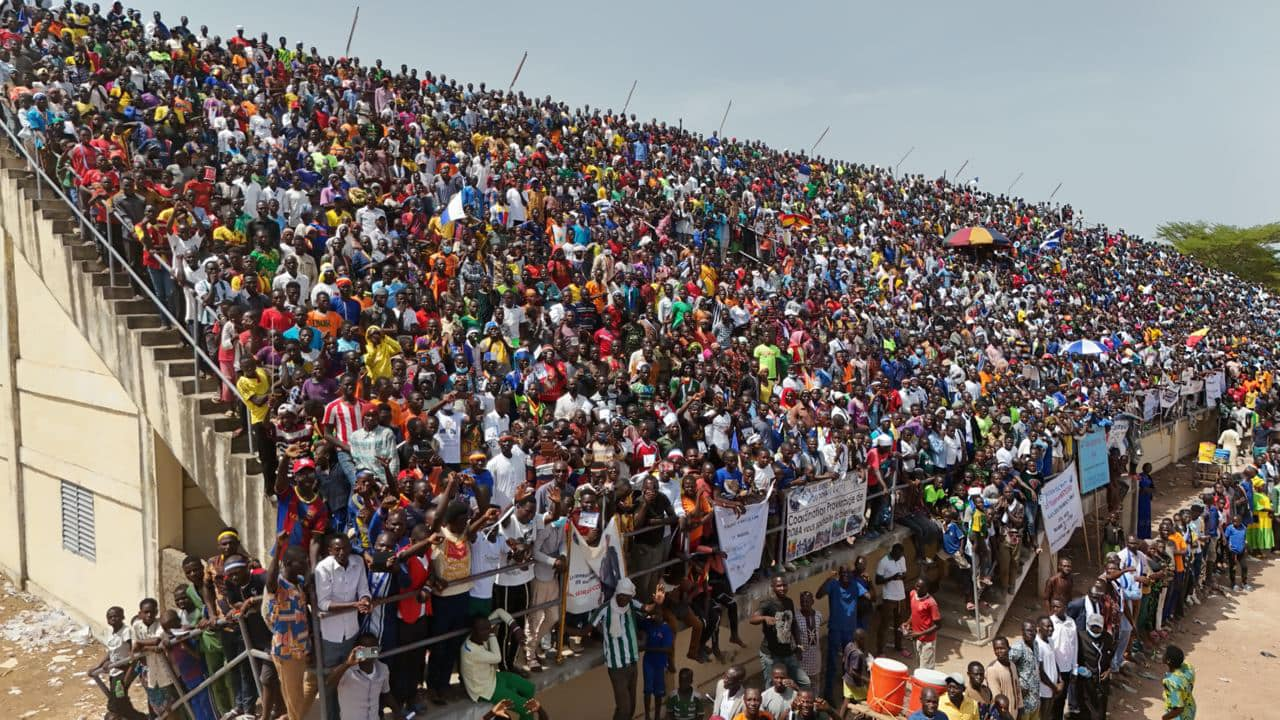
<point x="1221" y="636"/>
<point x="44" y="654"/>
<point x="43" y="659"/>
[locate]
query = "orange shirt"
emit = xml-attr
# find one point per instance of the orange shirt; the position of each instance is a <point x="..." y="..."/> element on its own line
<point x="327" y="324"/>
<point x="1180" y="546"/>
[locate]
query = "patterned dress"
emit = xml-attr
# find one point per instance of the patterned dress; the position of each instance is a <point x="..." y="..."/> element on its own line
<point x="810" y="655"/>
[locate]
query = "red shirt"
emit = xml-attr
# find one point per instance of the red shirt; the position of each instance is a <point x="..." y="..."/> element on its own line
<point x="923" y="614"/>
<point x="276" y="321"/>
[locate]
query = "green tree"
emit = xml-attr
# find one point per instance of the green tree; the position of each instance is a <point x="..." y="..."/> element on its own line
<point x="1248" y="252"/>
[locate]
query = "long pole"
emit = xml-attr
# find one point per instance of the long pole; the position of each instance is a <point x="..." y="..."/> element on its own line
<point x="1015" y="182"/>
<point x="352" y="34"/>
<point x="962" y="167"/>
<point x="815" y="142"/>
<point x="564" y="589"/>
<point x="720" y="132"/>
<point x="1055" y="190"/>
<point x="904" y="157"/>
<point x="518" y="69"/>
<point x="627" y="104"/>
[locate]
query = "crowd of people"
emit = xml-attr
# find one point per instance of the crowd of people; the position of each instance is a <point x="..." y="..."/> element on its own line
<point x="456" y="319"/>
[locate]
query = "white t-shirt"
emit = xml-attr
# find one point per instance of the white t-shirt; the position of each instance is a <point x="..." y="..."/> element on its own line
<point x="450" y="436"/>
<point x="508" y="474"/>
<point x="485" y="555"/>
<point x="1048" y="664"/>
<point x="888" y="567"/>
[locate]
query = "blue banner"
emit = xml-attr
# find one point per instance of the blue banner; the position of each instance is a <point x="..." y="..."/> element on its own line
<point x="1094" y="469"/>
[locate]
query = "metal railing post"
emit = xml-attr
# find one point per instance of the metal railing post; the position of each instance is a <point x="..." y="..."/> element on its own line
<point x="317" y="653"/>
<point x="111" y="257"/>
<point x="177" y="681"/>
<point x="248" y="651"/>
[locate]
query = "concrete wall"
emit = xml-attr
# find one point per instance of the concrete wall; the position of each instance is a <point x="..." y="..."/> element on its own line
<point x="70" y="419"/>
<point x="95" y="392"/>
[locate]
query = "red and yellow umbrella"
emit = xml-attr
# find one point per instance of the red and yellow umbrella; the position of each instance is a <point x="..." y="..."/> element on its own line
<point x="976" y="237"/>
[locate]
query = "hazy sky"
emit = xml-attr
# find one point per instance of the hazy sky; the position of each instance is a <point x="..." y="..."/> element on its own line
<point x="1144" y="111"/>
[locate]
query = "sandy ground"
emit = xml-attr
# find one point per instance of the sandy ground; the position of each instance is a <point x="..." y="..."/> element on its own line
<point x="43" y="659"/>
<point x="43" y="654"/>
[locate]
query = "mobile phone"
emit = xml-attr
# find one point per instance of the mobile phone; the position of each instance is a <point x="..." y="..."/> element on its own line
<point x="366" y="653"/>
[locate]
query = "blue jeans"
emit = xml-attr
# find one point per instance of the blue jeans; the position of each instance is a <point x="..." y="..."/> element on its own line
<point x="348" y="467"/>
<point x="162" y="284"/>
<point x="1122" y="641"/>
<point x="837" y="639"/>
<point x="242" y="674"/>
<point x="790" y="662"/>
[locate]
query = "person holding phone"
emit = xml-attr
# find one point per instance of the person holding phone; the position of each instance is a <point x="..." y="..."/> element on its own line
<point x="364" y="683"/>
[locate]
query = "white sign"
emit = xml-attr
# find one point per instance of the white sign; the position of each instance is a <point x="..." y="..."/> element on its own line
<point x="824" y="513"/>
<point x="1150" y="404"/>
<point x="586" y="591"/>
<point x="1116" y="435"/>
<point x="1213" y="386"/>
<point x="742" y="540"/>
<point x="1060" y="508"/>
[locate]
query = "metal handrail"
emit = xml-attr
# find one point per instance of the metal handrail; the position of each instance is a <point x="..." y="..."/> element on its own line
<point x="87" y="229"/>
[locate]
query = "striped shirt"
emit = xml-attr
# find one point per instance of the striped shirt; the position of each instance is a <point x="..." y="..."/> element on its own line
<point x="343" y="416"/>
<point x="620" y="649"/>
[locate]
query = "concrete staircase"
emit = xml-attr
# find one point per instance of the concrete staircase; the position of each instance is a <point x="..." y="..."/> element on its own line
<point x="147" y="356"/>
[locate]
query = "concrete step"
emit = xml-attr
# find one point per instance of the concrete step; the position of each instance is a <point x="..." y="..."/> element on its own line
<point x="225" y="424"/>
<point x="253" y="467"/>
<point x="171" y="352"/>
<point x="179" y="368"/>
<point x="118" y="292"/>
<point x="206" y="386"/>
<point x="156" y="337"/>
<point x="140" y="322"/>
<point x="210" y="407"/>
<point x="135" y="306"/>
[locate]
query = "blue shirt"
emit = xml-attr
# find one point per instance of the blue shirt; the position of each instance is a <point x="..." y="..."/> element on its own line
<point x="1235" y="537"/>
<point x="658" y="638"/>
<point x="843" y="609"/>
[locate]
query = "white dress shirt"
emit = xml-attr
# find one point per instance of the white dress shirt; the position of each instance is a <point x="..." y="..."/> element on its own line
<point x="338" y="584"/>
<point x="360" y="693"/>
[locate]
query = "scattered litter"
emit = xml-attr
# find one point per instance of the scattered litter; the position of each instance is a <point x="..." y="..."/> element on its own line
<point x="9" y="664"/>
<point x="61" y="659"/>
<point x="28" y="714"/>
<point x="1264" y="653"/>
<point x="37" y="630"/>
<point x="1198" y="621"/>
<point x="55" y="682"/>
<point x="14" y="691"/>
<point x="1225" y="680"/>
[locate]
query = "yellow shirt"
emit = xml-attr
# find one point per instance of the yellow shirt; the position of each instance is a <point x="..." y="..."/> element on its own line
<point x="377" y="358"/>
<point x="252" y="387"/>
<point x="228" y="236"/>
<point x="968" y="709"/>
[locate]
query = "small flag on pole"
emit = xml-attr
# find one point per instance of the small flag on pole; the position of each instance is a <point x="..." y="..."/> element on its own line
<point x="454" y="211"/>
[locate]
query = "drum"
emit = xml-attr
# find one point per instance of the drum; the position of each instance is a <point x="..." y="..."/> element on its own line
<point x="921" y="679"/>
<point x="888" y="686"/>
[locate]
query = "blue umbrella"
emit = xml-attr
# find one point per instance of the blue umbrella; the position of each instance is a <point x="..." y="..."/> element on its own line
<point x="1084" y="347"/>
